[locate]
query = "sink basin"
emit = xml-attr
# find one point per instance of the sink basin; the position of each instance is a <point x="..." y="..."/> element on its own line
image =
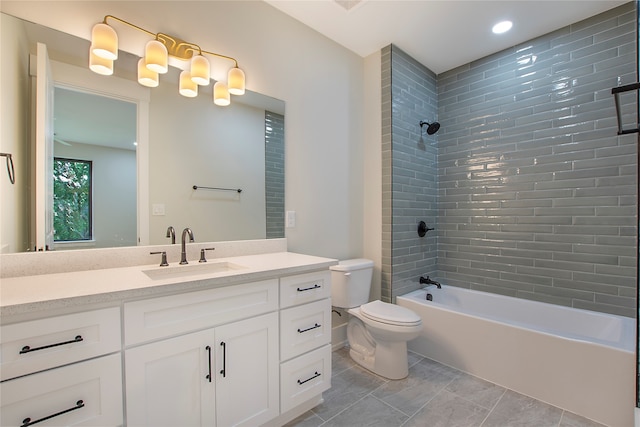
<point x="189" y="270"/>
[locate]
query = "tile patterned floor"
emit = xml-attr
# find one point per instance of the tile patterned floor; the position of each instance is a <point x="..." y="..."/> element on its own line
<point x="433" y="395"/>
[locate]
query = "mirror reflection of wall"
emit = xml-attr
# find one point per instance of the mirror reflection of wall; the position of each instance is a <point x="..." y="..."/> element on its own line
<point x="194" y="142"/>
<point x="101" y="130"/>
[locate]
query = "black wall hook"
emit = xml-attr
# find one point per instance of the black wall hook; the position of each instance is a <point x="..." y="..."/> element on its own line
<point x="422" y="228"/>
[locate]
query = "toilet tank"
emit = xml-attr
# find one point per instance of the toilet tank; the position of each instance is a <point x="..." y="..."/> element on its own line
<point x="351" y="282"/>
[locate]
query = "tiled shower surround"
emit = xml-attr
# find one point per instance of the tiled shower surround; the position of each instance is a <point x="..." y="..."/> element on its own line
<point x="274" y="174"/>
<point x="531" y="191"/>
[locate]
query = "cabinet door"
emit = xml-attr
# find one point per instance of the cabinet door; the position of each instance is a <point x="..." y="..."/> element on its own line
<point x="82" y="394"/>
<point x="168" y="383"/>
<point x="247" y="392"/>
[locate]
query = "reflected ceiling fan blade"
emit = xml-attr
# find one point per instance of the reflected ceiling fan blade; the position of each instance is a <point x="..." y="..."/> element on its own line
<point x="56" y="139"/>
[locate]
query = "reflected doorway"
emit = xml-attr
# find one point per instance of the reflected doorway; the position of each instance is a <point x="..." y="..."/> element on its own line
<point x="100" y="130"/>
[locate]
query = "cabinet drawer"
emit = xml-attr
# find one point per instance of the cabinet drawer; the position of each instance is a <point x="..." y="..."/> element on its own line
<point x="304" y="328"/>
<point x="83" y="394"/>
<point x="305" y="377"/>
<point x="178" y="314"/>
<point x="46" y="343"/>
<point x="304" y="288"/>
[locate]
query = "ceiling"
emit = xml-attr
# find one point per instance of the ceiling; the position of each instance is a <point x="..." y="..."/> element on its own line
<point x="440" y="34"/>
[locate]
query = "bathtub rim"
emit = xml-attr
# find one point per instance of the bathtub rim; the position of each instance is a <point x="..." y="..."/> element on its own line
<point x="626" y="344"/>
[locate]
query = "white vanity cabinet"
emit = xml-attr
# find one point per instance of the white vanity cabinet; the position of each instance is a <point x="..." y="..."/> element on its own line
<point x="224" y="375"/>
<point x="305" y="337"/>
<point x="47" y="379"/>
<point x="248" y="347"/>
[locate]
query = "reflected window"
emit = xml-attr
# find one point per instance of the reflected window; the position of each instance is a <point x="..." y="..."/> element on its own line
<point x="72" y="215"/>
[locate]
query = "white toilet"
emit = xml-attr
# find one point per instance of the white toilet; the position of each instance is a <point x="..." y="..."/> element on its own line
<point x="377" y="331"/>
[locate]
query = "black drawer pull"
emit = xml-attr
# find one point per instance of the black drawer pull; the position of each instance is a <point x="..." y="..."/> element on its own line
<point x="316" y="286"/>
<point x="27" y="421"/>
<point x="308" y="329"/>
<point x="316" y="375"/>
<point x="27" y="349"/>
<point x="208" y="376"/>
<point x="223" y="372"/>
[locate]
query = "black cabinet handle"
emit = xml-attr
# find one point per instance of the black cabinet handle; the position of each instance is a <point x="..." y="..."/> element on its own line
<point x="27" y="349"/>
<point x="316" y="286"/>
<point x="224" y="359"/>
<point x="27" y="421"/>
<point x="308" y="329"/>
<point x="316" y="375"/>
<point x="208" y="348"/>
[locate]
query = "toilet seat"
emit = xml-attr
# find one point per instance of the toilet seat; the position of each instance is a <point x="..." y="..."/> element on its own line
<point x="391" y="314"/>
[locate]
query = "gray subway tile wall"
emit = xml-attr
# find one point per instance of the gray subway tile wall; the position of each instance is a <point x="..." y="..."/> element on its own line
<point x="274" y="174"/>
<point x="411" y="163"/>
<point x="535" y="193"/>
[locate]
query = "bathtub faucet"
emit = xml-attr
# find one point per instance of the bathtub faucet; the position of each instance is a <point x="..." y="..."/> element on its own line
<point x="428" y="281"/>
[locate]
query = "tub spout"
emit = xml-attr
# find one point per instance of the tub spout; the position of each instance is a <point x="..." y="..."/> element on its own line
<point x="428" y="281"/>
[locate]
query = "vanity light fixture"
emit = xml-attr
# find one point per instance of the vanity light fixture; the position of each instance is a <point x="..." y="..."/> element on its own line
<point x="104" y="50"/>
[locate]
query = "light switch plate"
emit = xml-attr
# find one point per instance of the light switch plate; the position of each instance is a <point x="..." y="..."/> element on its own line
<point x="157" y="209"/>
<point x="291" y="219"/>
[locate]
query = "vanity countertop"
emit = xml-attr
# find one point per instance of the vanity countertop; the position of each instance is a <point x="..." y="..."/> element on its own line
<point x="25" y="294"/>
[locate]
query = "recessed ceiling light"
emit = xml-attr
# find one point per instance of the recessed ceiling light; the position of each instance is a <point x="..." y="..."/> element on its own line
<point x="502" y="27"/>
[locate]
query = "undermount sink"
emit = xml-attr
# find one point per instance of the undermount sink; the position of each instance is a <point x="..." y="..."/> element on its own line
<point x="188" y="270"/>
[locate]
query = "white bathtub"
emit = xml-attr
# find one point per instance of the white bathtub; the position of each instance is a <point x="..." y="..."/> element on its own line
<point x="578" y="360"/>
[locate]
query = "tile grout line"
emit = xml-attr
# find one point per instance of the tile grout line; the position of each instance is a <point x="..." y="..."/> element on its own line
<point x="494" y="407"/>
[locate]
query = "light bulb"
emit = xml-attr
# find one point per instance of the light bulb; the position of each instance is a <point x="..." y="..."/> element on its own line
<point x="156" y="57"/>
<point x="146" y="77"/>
<point x="221" y="94"/>
<point x="200" y="70"/>
<point x="100" y="65"/>
<point x="188" y="87"/>
<point x="236" y="81"/>
<point x="104" y="41"/>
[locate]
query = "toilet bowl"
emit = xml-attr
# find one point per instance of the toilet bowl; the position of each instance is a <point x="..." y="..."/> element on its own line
<point x="377" y="331"/>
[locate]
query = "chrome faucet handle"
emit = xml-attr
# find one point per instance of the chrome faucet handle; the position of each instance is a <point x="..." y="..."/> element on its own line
<point x="171" y="232"/>
<point x="164" y="262"/>
<point x="202" y="257"/>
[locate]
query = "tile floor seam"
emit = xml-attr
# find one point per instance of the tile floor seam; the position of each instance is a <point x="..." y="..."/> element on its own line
<point x="391" y="406"/>
<point x="494" y="407"/>
<point x="418" y="411"/>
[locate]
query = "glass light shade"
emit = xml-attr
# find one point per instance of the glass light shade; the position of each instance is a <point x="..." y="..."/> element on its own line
<point x="156" y="57"/>
<point x="146" y="77"/>
<point x="100" y="65"/>
<point x="200" y="70"/>
<point x="188" y="87"/>
<point x="221" y="94"/>
<point x="104" y="42"/>
<point x="236" y="81"/>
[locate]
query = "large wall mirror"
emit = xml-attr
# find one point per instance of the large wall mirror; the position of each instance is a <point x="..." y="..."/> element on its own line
<point x="145" y="152"/>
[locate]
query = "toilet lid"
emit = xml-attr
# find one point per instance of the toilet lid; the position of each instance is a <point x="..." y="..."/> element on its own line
<point x="390" y="313"/>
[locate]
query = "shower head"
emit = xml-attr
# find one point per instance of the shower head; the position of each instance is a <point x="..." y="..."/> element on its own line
<point x="431" y="127"/>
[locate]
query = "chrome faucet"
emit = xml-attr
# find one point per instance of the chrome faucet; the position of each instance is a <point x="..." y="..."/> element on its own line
<point x="183" y="254"/>
<point x="171" y="232"/>
<point x="428" y="281"/>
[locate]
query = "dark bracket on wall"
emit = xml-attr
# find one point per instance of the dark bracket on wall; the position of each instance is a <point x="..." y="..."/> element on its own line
<point x="422" y="228"/>
<point x="616" y="91"/>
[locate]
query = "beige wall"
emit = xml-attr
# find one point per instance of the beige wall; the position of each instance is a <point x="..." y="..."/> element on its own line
<point x="320" y="81"/>
<point x="14" y="137"/>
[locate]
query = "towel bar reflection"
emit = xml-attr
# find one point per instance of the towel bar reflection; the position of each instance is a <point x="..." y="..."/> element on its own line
<point x="238" y="190"/>
<point x="10" y="169"/>
<point x="616" y="91"/>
